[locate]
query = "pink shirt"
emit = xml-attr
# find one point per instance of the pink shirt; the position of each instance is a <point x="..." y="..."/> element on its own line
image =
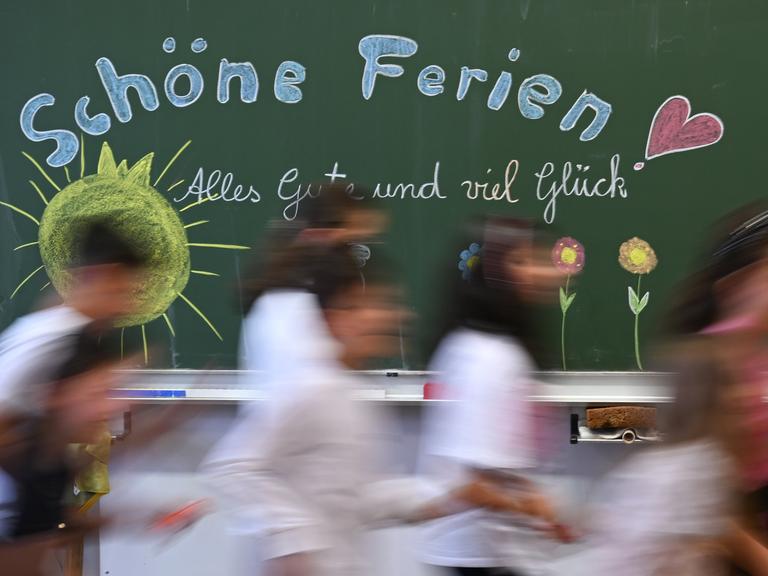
<point x="755" y="414"/>
<point x="750" y="403"/>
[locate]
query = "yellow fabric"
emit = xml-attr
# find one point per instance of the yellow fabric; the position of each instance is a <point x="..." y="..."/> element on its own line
<point x="94" y="477"/>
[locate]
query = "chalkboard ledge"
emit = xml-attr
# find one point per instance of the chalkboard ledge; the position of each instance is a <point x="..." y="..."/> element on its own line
<point x="393" y="386"/>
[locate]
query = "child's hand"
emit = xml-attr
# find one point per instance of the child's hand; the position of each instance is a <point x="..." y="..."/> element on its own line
<point x="291" y="565"/>
<point x="538" y="506"/>
<point x="563" y="533"/>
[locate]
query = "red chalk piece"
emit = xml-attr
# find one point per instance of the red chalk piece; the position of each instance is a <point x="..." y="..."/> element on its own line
<point x="434" y="391"/>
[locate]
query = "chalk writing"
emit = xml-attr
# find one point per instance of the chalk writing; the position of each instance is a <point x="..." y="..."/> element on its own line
<point x="573" y="180"/>
<point x="288" y="76"/>
<point x="403" y="190"/>
<point x="534" y="92"/>
<point x="218" y="186"/>
<point x="499" y="190"/>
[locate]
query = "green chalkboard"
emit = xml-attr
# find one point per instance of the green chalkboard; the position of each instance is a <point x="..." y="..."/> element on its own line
<point x="599" y="72"/>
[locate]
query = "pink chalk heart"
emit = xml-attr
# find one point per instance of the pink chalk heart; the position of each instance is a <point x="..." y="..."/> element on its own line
<point x="674" y="130"/>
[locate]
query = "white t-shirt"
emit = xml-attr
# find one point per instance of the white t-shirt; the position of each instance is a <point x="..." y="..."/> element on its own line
<point x="31" y="350"/>
<point x="283" y="335"/>
<point x="651" y="509"/>
<point x="305" y="475"/>
<point x="489" y="426"/>
<point x="303" y="471"/>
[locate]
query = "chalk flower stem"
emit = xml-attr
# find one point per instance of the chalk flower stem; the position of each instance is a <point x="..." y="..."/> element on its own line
<point x="637" y="256"/>
<point x="568" y="257"/>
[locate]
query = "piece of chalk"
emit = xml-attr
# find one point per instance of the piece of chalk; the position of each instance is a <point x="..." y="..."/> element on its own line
<point x="138" y="393"/>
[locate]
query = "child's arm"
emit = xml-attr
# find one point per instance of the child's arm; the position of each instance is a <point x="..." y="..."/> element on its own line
<point x="246" y="472"/>
<point x="746" y="550"/>
<point x="413" y="500"/>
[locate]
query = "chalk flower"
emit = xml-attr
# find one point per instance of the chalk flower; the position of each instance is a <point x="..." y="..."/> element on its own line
<point x="468" y="259"/>
<point x="360" y="254"/>
<point x="568" y="256"/>
<point x="637" y="256"/>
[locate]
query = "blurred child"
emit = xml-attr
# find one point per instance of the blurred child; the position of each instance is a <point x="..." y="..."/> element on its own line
<point x="302" y="476"/>
<point x="672" y="509"/>
<point x="665" y="511"/>
<point x="485" y="362"/>
<point x="104" y="275"/>
<point x="75" y="410"/>
<point x="727" y="305"/>
<point x="281" y="333"/>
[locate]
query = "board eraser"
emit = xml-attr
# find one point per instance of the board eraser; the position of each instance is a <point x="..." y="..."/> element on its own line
<point x="621" y="417"/>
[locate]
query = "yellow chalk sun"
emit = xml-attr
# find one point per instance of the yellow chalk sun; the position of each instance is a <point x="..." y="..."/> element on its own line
<point x="124" y="197"/>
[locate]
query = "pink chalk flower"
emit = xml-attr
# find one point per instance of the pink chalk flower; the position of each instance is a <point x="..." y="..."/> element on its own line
<point x="568" y="256"/>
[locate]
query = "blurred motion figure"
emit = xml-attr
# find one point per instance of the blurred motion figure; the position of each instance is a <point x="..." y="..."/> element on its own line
<point x="485" y="361"/>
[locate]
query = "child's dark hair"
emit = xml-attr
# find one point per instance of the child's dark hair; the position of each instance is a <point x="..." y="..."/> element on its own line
<point x="484" y="299"/>
<point x="332" y="273"/>
<point x="741" y="240"/>
<point x="331" y="205"/>
<point x="288" y="260"/>
<point x="97" y="242"/>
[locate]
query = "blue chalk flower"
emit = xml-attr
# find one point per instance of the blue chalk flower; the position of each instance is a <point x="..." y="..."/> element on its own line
<point x="468" y="259"/>
<point x="360" y="253"/>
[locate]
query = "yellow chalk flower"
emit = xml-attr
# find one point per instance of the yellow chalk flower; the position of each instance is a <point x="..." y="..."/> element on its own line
<point x="637" y="256"/>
